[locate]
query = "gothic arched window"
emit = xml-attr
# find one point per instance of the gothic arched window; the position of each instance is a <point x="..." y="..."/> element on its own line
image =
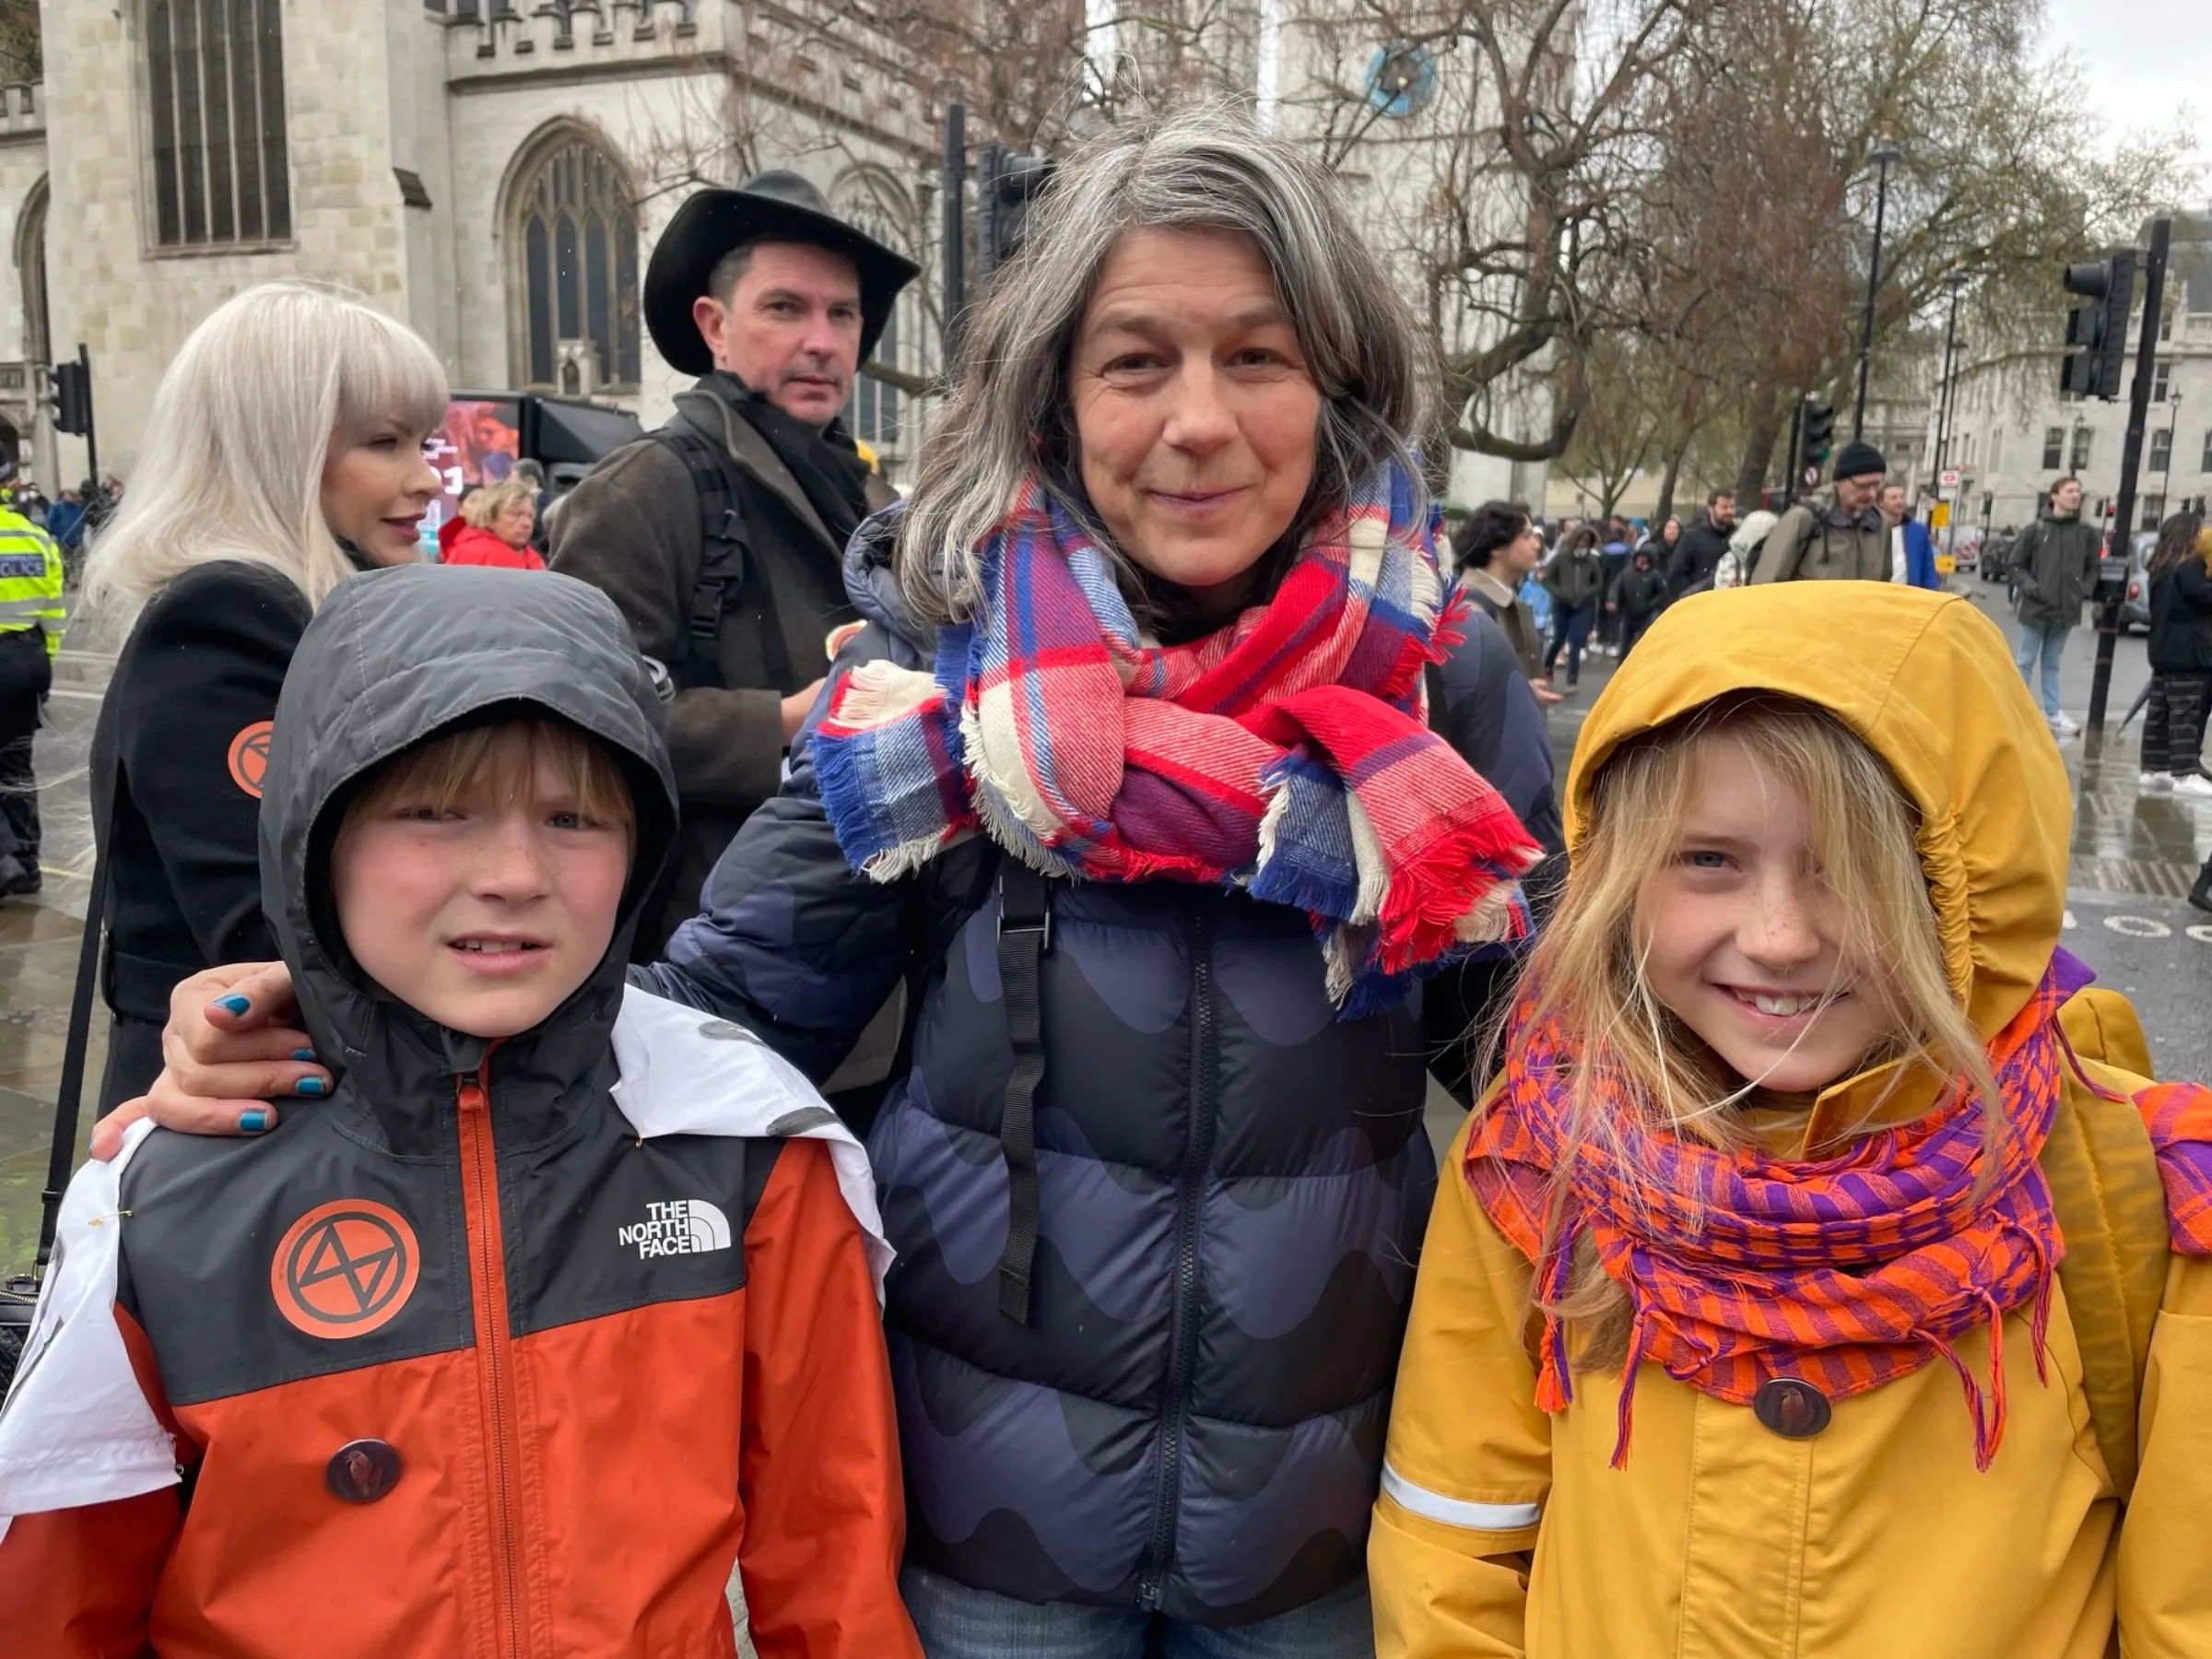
<point x="577" y="235"/>
<point x="873" y="200"/>
<point x="215" y="82"/>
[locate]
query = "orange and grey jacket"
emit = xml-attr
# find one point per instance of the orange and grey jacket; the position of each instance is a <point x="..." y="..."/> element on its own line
<point x="512" y="1349"/>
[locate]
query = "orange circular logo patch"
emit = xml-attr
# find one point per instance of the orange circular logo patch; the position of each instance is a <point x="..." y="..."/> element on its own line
<point x="250" y="757"/>
<point x="344" y="1268"/>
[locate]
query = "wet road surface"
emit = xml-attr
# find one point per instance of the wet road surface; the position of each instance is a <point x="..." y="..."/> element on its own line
<point x="2134" y="858"/>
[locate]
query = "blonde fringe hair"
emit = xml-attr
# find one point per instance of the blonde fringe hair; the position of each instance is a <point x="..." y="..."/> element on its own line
<point x="482" y="507"/>
<point x="250" y="411"/>
<point x="504" y="758"/>
<point x="1589" y="964"/>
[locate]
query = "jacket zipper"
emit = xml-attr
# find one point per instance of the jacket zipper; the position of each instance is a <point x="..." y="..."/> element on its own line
<point x="487" y="1284"/>
<point x="1183" y="1351"/>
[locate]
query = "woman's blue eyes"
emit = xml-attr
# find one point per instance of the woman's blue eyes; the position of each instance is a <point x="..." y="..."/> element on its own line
<point x="1704" y="858"/>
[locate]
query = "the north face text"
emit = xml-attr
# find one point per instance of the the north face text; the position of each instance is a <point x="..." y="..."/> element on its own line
<point x="682" y="1227"/>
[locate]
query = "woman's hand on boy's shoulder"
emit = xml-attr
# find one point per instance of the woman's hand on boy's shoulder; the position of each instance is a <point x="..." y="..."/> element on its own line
<point x="231" y="1045"/>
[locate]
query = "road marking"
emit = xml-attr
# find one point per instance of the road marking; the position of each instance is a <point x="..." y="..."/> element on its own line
<point x="86" y="696"/>
<point x="2069" y="922"/>
<point x="2138" y="927"/>
<point x="2202" y="933"/>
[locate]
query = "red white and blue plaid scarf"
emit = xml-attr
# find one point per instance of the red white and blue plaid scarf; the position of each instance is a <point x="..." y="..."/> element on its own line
<point x="1848" y="1272"/>
<point x="1284" y="753"/>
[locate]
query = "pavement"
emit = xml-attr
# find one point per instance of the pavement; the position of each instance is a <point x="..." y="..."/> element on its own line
<point x="2133" y="858"/>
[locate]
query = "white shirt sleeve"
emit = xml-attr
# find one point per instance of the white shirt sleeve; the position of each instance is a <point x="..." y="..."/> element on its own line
<point x="77" y="1429"/>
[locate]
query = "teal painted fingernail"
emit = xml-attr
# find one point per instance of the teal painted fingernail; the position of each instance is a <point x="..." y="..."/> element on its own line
<point x="312" y="1085"/>
<point x="233" y="1003"/>
<point x="303" y="1053"/>
<point x="253" y="1123"/>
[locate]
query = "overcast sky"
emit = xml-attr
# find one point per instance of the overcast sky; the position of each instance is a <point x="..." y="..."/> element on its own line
<point x="2142" y="59"/>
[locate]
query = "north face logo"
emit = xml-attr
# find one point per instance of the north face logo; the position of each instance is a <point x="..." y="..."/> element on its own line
<point x="683" y="1227"/>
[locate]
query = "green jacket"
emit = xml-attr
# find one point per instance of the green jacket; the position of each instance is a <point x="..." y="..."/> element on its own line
<point x="1575" y="579"/>
<point x="2056" y="559"/>
<point x="1814" y="542"/>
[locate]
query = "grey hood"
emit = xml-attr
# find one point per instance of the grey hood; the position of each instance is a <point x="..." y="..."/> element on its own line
<point x="873" y="586"/>
<point x="392" y="658"/>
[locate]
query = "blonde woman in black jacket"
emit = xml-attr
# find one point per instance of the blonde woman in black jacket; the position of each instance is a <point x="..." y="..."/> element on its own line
<point x="283" y="451"/>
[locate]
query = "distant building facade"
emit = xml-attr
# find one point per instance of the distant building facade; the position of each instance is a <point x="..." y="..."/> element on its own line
<point x="494" y="174"/>
<point x="2015" y="434"/>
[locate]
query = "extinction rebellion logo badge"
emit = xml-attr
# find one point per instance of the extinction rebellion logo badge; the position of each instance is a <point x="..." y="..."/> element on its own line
<point x="345" y="1269"/>
<point x="681" y="1227"/>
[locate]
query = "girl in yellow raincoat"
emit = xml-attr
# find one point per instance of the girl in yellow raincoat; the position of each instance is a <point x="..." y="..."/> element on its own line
<point x="1823" y="1275"/>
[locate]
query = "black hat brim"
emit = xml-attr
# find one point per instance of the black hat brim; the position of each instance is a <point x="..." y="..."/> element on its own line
<point x="713" y="222"/>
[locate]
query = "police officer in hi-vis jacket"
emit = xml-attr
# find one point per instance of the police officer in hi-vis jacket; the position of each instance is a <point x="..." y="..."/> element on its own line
<point x="31" y="619"/>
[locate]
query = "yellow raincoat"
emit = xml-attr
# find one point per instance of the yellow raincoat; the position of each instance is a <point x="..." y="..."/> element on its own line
<point x="1501" y="1530"/>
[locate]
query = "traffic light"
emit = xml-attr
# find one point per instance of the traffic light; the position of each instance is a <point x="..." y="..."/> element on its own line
<point x="1818" y="436"/>
<point x="1005" y="183"/>
<point x="72" y="397"/>
<point x="2097" y="331"/>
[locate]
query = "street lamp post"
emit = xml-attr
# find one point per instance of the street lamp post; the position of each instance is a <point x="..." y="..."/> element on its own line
<point x="1884" y="157"/>
<point x="1955" y="281"/>
<point x="2173" y="436"/>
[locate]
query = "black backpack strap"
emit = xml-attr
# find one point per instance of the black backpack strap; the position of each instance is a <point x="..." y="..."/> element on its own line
<point x="725" y="564"/>
<point x="1025" y="933"/>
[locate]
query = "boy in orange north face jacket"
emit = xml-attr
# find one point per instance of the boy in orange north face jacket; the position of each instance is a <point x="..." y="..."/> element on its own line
<point x="567" y="1305"/>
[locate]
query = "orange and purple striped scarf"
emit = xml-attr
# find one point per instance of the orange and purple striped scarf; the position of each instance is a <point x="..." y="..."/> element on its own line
<point x="1846" y="1272"/>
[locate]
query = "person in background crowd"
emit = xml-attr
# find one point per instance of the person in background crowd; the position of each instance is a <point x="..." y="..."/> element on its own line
<point x="1157" y="1171"/>
<point x="2180" y="658"/>
<point x="1495" y="549"/>
<point x="534" y="474"/>
<point x="30" y="501"/>
<point x="64" y="521"/>
<point x="2053" y="567"/>
<point x="32" y="617"/>
<point x="1843" y="538"/>
<point x="1576" y="581"/>
<point x="1663" y="542"/>
<point x="1641" y="593"/>
<point x="722" y="535"/>
<point x="1912" y="549"/>
<point x="1690" y="566"/>
<point x="1740" y="558"/>
<point x="1613" y="558"/>
<point x="1781" y="1295"/>
<point x="283" y="451"/>
<point x="493" y="527"/>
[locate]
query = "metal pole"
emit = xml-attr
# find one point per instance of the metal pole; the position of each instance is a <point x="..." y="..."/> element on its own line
<point x="2173" y="436"/>
<point x="1789" y="456"/>
<point x="2131" y="457"/>
<point x="1943" y="408"/>
<point x="1884" y="154"/>
<point x="955" y="234"/>
<point x="84" y="361"/>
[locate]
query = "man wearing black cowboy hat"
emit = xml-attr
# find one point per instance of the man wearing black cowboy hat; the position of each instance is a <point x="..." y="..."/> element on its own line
<point x="722" y="535"/>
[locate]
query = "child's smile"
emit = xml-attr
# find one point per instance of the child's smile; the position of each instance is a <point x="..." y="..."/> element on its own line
<point x="1743" y="936"/>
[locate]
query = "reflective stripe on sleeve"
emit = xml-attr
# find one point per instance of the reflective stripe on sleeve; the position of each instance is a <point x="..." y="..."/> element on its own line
<point x="1458" y="1512"/>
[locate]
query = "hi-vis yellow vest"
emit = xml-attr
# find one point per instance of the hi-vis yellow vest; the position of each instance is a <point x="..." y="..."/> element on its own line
<point x="31" y="579"/>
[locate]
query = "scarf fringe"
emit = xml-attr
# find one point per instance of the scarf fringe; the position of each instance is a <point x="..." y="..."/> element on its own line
<point x="1727" y="1280"/>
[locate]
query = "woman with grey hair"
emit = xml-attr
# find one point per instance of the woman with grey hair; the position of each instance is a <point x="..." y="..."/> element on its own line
<point x="1127" y="778"/>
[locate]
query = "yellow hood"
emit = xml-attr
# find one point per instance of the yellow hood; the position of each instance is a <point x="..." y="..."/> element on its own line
<point x="1928" y="682"/>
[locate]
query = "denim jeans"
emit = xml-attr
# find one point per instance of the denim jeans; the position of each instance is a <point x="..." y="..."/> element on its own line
<point x="1570" y="628"/>
<point x="955" y="1622"/>
<point x="2051" y="643"/>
